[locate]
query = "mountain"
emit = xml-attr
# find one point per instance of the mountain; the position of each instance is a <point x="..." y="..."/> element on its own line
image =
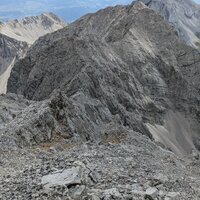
<point x="105" y="108"/>
<point x="30" y="29"/>
<point x="113" y="69"/>
<point x="183" y="15"/>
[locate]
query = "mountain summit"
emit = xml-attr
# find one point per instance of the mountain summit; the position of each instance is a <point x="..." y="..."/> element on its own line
<point x="184" y="15"/>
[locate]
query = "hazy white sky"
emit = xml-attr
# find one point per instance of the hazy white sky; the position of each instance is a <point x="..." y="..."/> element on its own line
<point x="67" y="9"/>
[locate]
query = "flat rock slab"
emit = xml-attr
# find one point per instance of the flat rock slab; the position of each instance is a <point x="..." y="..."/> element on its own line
<point x="172" y="196"/>
<point x="152" y="192"/>
<point x="65" y="177"/>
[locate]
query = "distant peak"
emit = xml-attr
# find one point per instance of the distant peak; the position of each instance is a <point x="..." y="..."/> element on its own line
<point x="139" y="5"/>
<point x="30" y="19"/>
<point x="30" y="28"/>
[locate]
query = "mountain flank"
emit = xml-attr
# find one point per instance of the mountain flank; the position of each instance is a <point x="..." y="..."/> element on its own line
<point x="105" y="108"/>
<point x="10" y="51"/>
<point x="184" y="15"/>
<point x="112" y="67"/>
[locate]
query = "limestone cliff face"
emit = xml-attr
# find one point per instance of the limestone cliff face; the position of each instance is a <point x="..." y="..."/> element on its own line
<point x="113" y="68"/>
<point x="184" y="15"/>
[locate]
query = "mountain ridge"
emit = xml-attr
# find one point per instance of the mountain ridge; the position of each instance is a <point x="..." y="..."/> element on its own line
<point x="114" y="44"/>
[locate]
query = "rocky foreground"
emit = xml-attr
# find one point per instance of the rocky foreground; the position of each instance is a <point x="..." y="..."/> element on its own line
<point x="122" y="166"/>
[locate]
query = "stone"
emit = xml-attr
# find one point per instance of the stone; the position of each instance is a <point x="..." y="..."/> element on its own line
<point x="172" y="195"/>
<point x="93" y="197"/>
<point x="159" y="179"/>
<point x="162" y="193"/>
<point x="151" y="193"/>
<point x="195" y="154"/>
<point x="137" y="189"/>
<point x="66" y="177"/>
<point x="112" y="193"/>
<point x="77" y="192"/>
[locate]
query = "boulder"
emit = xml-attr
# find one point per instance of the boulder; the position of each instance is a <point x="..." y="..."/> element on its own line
<point x="66" y="177"/>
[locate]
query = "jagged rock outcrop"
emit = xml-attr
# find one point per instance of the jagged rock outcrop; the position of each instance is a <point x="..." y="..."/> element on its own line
<point x="37" y="122"/>
<point x="30" y="29"/>
<point x="184" y="15"/>
<point x="11" y="105"/>
<point x="119" y="70"/>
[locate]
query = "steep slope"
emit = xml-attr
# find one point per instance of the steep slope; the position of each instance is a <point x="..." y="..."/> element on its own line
<point x="10" y="50"/>
<point x="30" y="29"/>
<point x="184" y="15"/>
<point x="115" y="69"/>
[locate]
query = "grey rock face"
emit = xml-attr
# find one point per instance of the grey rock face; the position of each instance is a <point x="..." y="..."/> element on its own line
<point x="39" y="122"/>
<point x="118" y="70"/>
<point x="184" y="15"/>
<point x="9" y="49"/>
<point x="11" y="105"/>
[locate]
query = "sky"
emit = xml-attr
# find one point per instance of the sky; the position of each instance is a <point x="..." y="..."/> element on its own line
<point x="69" y="10"/>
